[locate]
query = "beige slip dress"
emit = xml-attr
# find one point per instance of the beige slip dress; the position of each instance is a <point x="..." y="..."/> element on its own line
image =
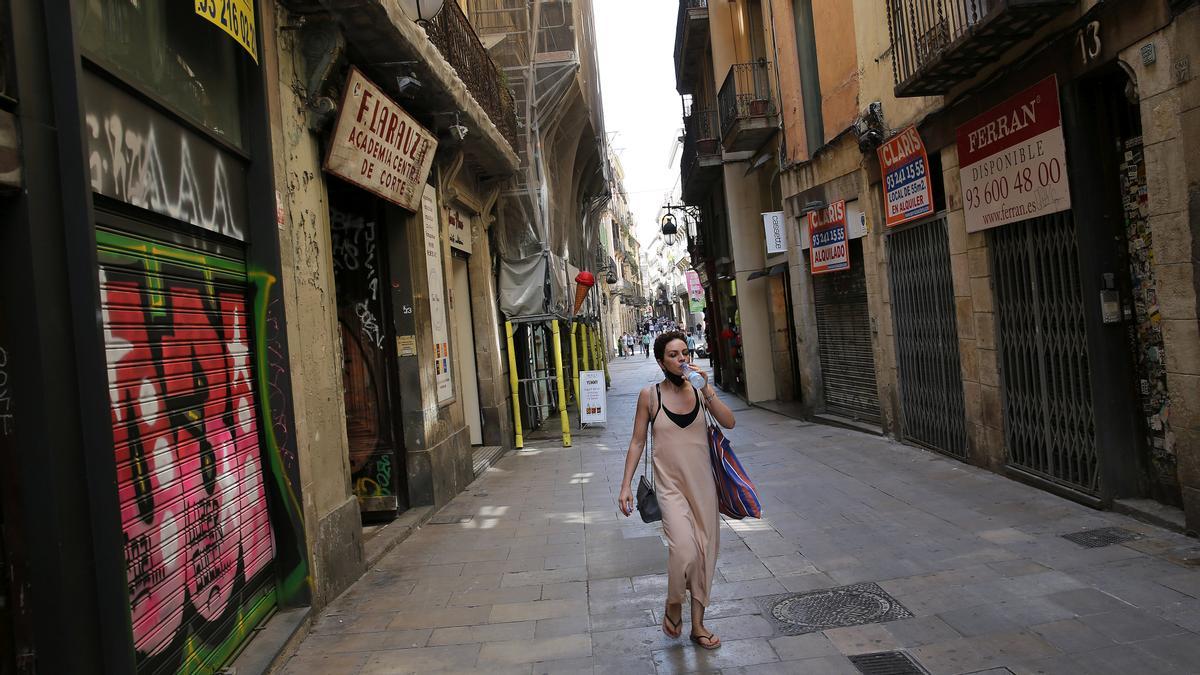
<point x="687" y="496"/>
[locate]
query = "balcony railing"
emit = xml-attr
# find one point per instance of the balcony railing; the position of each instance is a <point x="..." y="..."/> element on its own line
<point x="701" y="140"/>
<point x="688" y="10"/>
<point x="745" y="94"/>
<point x="451" y="32"/>
<point x="939" y="43"/>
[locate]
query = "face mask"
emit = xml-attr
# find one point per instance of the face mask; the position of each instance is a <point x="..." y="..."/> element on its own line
<point x="674" y="379"/>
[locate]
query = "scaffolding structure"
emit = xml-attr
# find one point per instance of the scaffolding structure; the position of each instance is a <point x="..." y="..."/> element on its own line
<point x="548" y="210"/>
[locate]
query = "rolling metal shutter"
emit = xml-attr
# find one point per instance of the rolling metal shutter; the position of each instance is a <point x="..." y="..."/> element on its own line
<point x="1048" y="421"/>
<point x="931" y="389"/>
<point x="844" y="341"/>
<point x="198" y="540"/>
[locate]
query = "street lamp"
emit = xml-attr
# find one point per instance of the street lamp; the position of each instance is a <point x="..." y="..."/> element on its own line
<point x="421" y="11"/>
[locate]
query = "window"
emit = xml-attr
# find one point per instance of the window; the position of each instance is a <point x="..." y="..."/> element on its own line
<point x="167" y="50"/>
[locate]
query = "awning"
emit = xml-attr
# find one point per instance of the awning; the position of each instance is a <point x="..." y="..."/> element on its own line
<point x="772" y="271"/>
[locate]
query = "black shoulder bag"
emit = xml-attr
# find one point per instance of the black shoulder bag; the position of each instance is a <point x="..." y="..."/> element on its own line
<point x="647" y="501"/>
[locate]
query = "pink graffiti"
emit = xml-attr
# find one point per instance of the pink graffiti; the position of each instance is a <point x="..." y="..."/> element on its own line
<point x="185" y="427"/>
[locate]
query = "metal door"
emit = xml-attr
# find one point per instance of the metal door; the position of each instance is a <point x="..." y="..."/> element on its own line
<point x="931" y="390"/>
<point x="1042" y="339"/>
<point x="358" y="280"/>
<point x="199" y="544"/>
<point x="844" y="341"/>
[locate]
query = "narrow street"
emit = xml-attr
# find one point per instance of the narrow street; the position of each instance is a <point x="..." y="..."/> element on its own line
<point x="544" y="576"/>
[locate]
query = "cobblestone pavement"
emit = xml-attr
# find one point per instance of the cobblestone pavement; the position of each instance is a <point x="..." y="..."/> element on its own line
<point x="547" y="577"/>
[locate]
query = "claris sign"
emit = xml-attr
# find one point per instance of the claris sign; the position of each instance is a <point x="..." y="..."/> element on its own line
<point x="908" y="194"/>
<point x="1014" y="160"/>
<point x="377" y="146"/>
<point x="829" y="249"/>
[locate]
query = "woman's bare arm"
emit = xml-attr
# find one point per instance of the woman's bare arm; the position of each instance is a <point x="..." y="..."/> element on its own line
<point x="717" y="407"/>
<point x="637" y="444"/>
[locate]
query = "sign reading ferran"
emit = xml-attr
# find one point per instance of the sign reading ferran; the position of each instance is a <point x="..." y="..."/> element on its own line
<point x="236" y="18"/>
<point x="378" y="146"/>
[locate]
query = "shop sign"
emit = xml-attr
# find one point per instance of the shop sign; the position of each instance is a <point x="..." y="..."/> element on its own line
<point x="829" y="249"/>
<point x="908" y="192"/>
<point x="856" y="224"/>
<point x="776" y="233"/>
<point x="459" y="229"/>
<point x="593" y="403"/>
<point x="437" y="296"/>
<point x="236" y="18"/>
<point x="1014" y="160"/>
<point x="695" y="291"/>
<point x="377" y="146"/>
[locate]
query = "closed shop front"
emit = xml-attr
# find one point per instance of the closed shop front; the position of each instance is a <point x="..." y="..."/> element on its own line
<point x="844" y="341"/>
<point x="833" y="237"/>
<point x="930" y="375"/>
<point x="361" y="277"/>
<point x="201" y="487"/>
<point x="199" y="544"/>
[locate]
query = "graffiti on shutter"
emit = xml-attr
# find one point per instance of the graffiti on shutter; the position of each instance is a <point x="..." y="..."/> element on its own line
<point x="198" y="537"/>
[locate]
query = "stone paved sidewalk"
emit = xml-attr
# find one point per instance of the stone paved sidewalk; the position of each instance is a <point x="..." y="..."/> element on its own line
<point x="547" y="577"/>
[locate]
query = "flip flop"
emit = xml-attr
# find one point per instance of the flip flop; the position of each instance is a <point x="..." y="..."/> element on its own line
<point x="676" y="626"/>
<point x="710" y="637"/>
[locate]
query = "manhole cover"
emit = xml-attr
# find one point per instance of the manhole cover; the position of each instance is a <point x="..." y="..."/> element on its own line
<point x="450" y="520"/>
<point x="1103" y="536"/>
<point x="886" y="663"/>
<point x="854" y="605"/>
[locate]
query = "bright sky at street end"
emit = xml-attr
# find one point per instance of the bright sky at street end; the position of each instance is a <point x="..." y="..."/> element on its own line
<point x="636" y="42"/>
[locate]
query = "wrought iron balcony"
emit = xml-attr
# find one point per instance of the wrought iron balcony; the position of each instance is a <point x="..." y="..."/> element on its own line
<point x="691" y="38"/>
<point x="451" y="32"/>
<point x="937" y="44"/>
<point x="701" y="160"/>
<point x="748" y="112"/>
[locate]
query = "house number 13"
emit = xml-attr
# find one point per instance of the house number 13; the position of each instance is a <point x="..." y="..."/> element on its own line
<point x="1089" y="42"/>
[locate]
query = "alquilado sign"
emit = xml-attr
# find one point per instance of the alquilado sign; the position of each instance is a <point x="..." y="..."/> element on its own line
<point x="908" y="194"/>
<point x="1014" y="160"/>
<point x="377" y="146"/>
<point x="830" y="246"/>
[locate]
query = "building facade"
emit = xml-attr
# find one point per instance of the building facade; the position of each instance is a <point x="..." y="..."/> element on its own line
<point x="258" y="310"/>
<point x="990" y="228"/>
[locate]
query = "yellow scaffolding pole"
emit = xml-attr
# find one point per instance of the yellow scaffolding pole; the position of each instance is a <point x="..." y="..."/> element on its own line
<point x="587" y="347"/>
<point x="562" y="389"/>
<point x="575" y="361"/>
<point x="516" y="389"/>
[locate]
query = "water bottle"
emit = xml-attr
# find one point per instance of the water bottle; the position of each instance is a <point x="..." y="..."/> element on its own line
<point x="695" y="378"/>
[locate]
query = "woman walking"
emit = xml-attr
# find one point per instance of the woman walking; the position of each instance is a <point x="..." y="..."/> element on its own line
<point x="683" y="480"/>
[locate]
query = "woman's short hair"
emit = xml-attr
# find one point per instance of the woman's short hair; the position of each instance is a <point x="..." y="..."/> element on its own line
<point x="660" y="343"/>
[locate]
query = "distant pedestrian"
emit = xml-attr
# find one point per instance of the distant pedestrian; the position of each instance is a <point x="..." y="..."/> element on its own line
<point x="691" y="343"/>
<point x="628" y="345"/>
<point x="646" y="344"/>
<point x="621" y="345"/>
<point x="683" y="481"/>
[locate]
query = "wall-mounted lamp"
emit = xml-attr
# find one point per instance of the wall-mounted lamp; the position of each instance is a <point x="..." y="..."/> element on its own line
<point x="421" y="11"/>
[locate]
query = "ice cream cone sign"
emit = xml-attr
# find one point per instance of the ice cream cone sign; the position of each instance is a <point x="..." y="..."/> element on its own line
<point x="584" y="282"/>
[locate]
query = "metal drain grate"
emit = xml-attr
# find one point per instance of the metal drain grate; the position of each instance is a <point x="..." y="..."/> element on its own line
<point x="853" y="605"/>
<point x="450" y="519"/>
<point x="1103" y="536"/>
<point x="887" y="663"/>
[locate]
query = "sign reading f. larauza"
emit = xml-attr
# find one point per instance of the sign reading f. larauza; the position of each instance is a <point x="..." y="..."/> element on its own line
<point x="379" y="147"/>
<point x="1014" y="160"/>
